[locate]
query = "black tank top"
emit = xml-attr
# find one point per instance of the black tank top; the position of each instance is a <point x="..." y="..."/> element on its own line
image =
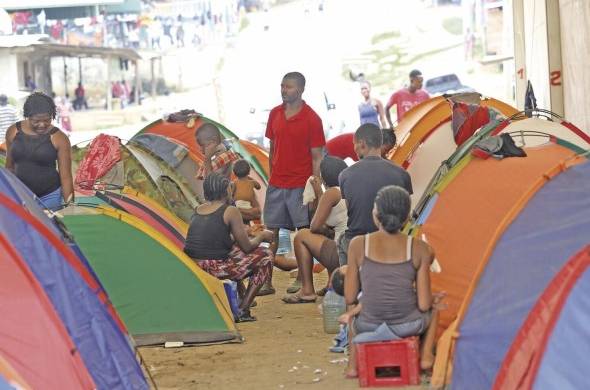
<point x="35" y="161"/>
<point x="208" y="236"/>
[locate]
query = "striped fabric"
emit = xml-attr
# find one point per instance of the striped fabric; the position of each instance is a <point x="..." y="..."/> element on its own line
<point x="7" y="118"/>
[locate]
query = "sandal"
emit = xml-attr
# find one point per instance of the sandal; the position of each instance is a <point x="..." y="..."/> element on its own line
<point x="266" y="289"/>
<point x="322" y="292"/>
<point x="294" y="287"/>
<point x="244" y="316"/>
<point x="296" y="298"/>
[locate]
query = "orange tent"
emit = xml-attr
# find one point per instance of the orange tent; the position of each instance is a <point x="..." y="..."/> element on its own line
<point x="425" y="137"/>
<point x="466" y="208"/>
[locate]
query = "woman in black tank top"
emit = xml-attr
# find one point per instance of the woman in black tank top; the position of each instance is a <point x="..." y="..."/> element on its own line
<point x="39" y="153"/>
<point x="219" y="243"/>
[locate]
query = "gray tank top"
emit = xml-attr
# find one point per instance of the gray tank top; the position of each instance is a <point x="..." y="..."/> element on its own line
<point x="388" y="290"/>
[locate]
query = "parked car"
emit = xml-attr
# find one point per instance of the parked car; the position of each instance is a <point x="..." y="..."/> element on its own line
<point x="448" y="83"/>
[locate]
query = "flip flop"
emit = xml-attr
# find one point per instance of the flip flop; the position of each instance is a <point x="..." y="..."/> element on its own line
<point x="295" y="298"/>
<point x="244" y="317"/>
<point x="266" y="290"/>
<point x="294" y="287"/>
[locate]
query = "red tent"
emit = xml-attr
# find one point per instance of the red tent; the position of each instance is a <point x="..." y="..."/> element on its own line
<point x="33" y="339"/>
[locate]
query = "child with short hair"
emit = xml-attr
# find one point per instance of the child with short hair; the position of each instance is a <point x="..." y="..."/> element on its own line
<point x="244" y="195"/>
<point x="218" y="158"/>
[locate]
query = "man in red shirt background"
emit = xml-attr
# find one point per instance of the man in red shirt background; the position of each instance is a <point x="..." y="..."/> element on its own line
<point x="407" y="97"/>
<point x="296" y="139"/>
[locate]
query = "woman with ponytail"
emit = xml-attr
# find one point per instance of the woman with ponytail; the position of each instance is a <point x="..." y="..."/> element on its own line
<point x="393" y="270"/>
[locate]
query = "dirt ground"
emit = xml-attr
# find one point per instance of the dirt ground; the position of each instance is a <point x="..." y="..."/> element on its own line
<point x="285" y="349"/>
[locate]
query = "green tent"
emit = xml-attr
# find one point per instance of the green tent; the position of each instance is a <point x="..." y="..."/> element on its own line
<point x="160" y="294"/>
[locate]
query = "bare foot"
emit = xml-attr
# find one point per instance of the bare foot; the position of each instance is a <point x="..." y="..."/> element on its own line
<point x="426" y="361"/>
<point x="351" y="373"/>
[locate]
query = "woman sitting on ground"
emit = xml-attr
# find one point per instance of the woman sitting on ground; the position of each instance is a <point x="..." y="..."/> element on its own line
<point x="217" y="240"/>
<point x="327" y="224"/>
<point x="39" y="154"/>
<point x="394" y="271"/>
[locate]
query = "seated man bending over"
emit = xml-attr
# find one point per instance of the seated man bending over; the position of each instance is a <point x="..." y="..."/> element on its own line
<point x="217" y="240"/>
<point x="327" y="224"/>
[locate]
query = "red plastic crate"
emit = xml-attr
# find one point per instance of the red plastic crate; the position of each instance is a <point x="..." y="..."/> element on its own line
<point x="389" y="363"/>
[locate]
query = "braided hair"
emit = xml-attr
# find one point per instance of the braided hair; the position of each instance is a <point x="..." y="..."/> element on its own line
<point x="39" y="103"/>
<point x="215" y="187"/>
<point x="393" y="207"/>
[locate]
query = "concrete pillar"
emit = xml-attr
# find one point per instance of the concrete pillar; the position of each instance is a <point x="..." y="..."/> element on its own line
<point x="520" y="72"/>
<point x="554" y="57"/>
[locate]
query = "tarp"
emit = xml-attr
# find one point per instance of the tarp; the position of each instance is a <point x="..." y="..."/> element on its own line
<point x="545" y="234"/>
<point x="32" y="336"/>
<point x="104" y="349"/>
<point x="159" y="292"/>
<point x="550" y="348"/>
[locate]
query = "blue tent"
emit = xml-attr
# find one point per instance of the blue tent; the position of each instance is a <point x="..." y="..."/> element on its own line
<point x="547" y="232"/>
<point x="104" y="349"/>
<point x="549" y="351"/>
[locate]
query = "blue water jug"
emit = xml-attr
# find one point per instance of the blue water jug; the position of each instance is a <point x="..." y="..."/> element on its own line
<point x="231" y="291"/>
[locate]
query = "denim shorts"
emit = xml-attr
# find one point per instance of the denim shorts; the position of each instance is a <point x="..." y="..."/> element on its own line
<point x="343" y="243"/>
<point x="52" y="201"/>
<point x="284" y="208"/>
<point x="403" y="330"/>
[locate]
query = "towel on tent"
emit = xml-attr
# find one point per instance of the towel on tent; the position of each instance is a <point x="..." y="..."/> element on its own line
<point x="467" y="119"/>
<point x="103" y="153"/>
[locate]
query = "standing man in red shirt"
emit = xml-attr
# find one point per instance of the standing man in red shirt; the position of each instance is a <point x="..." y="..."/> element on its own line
<point x="296" y="139"/>
<point x="407" y="98"/>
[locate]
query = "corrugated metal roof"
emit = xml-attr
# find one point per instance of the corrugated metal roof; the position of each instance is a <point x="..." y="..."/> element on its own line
<point x="33" y="4"/>
<point x="41" y="42"/>
<point x="8" y="41"/>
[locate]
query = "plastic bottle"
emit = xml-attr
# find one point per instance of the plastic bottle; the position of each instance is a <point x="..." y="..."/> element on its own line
<point x="332" y="308"/>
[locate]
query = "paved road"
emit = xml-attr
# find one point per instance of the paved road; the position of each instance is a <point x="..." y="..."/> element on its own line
<point x="312" y="42"/>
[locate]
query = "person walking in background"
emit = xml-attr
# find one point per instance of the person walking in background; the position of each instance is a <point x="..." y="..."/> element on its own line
<point x="7" y="117"/>
<point x="30" y="83"/>
<point x="35" y="148"/>
<point x="371" y="109"/>
<point x="407" y="97"/>
<point x="64" y="108"/>
<point x="296" y="139"/>
<point x="80" y="97"/>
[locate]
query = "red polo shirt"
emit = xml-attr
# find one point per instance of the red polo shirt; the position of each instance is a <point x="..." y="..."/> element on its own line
<point x="342" y="146"/>
<point x="292" y="141"/>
